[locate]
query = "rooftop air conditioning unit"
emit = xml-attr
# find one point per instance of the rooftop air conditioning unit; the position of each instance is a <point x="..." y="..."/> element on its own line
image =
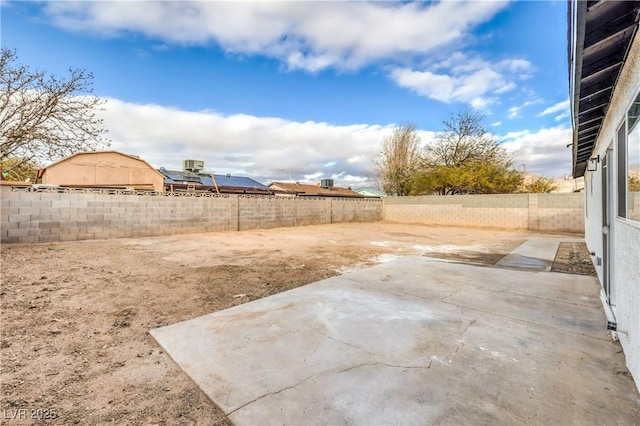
<point x="326" y="183"/>
<point x="193" y="165"/>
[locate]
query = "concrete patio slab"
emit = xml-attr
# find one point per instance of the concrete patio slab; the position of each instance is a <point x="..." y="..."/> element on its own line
<point x="413" y="341"/>
<point x="536" y="254"/>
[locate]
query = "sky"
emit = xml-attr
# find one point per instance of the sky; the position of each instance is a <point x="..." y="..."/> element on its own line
<point x="305" y="90"/>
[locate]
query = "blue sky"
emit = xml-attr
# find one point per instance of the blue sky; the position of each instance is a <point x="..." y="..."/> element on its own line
<point x="307" y="89"/>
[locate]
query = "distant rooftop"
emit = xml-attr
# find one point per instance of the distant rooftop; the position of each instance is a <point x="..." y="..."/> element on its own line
<point x="307" y="189"/>
<point x="370" y="192"/>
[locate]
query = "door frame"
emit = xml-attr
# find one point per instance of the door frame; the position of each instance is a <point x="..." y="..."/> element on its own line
<point x="608" y="212"/>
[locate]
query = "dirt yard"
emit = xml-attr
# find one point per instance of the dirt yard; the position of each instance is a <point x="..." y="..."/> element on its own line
<point x="75" y="347"/>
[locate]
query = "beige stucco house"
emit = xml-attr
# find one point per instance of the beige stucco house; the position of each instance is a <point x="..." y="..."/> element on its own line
<point x="102" y="169"/>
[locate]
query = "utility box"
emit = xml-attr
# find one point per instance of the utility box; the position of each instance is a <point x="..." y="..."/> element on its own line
<point x="192" y="165"/>
<point x="326" y="183"/>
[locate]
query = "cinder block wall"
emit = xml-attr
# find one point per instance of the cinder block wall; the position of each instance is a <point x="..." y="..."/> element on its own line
<point x="560" y="212"/>
<point x="354" y="210"/>
<point x="32" y="217"/>
<point x="45" y="217"/>
<point x="536" y="212"/>
<point x="259" y="212"/>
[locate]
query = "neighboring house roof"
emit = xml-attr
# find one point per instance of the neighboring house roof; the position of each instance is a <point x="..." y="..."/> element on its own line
<point x="600" y="36"/>
<point x="370" y="192"/>
<point x="302" y="189"/>
<point x="134" y="157"/>
<point x="224" y="183"/>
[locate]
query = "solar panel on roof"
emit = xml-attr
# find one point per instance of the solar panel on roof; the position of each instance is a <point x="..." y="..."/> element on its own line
<point x="205" y="179"/>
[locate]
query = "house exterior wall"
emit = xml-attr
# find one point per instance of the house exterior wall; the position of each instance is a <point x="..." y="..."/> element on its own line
<point x="625" y="234"/>
<point x="536" y="212"/>
<point x="103" y="169"/>
<point x="593" y="218"/>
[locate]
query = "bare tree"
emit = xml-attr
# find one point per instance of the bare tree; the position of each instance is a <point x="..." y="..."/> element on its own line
<point x="465" y="158"/>
<point x="45" y="118"/>
<point x="398" y="160"/>
<point x="463" y="139"/>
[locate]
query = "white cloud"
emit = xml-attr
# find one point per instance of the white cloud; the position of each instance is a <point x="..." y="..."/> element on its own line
<point x="304" y="35"/>
<point x="562" y="116"/>
<point x="461" y="78"/>
<point x="516" y="65"/>
<point x="562" y="107"/>
<point x="316" y="35"/>
<point x="543" y="152"/>
<point x="265" y="148"/>
<point x="514" y="111"/>
<point x="268" y="148"/>
<point x="426" y="83"/>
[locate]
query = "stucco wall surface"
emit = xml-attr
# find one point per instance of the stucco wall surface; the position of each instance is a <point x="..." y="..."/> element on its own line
<point x="627" y="293"/>
<point x="103" y="169"/>
<point x="625" y="235"/>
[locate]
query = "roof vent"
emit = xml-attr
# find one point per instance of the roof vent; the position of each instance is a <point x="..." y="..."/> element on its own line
<point x="193" y="165"/>
<point x="326" y="183"/>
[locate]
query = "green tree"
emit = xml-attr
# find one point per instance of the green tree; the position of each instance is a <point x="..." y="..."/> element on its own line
<point x="465" y="158"/>
<point x="44" y="118"/>
<point x="539" y="185"/>
<point x="398" y="160"/>
<point x="18" y="169"/>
